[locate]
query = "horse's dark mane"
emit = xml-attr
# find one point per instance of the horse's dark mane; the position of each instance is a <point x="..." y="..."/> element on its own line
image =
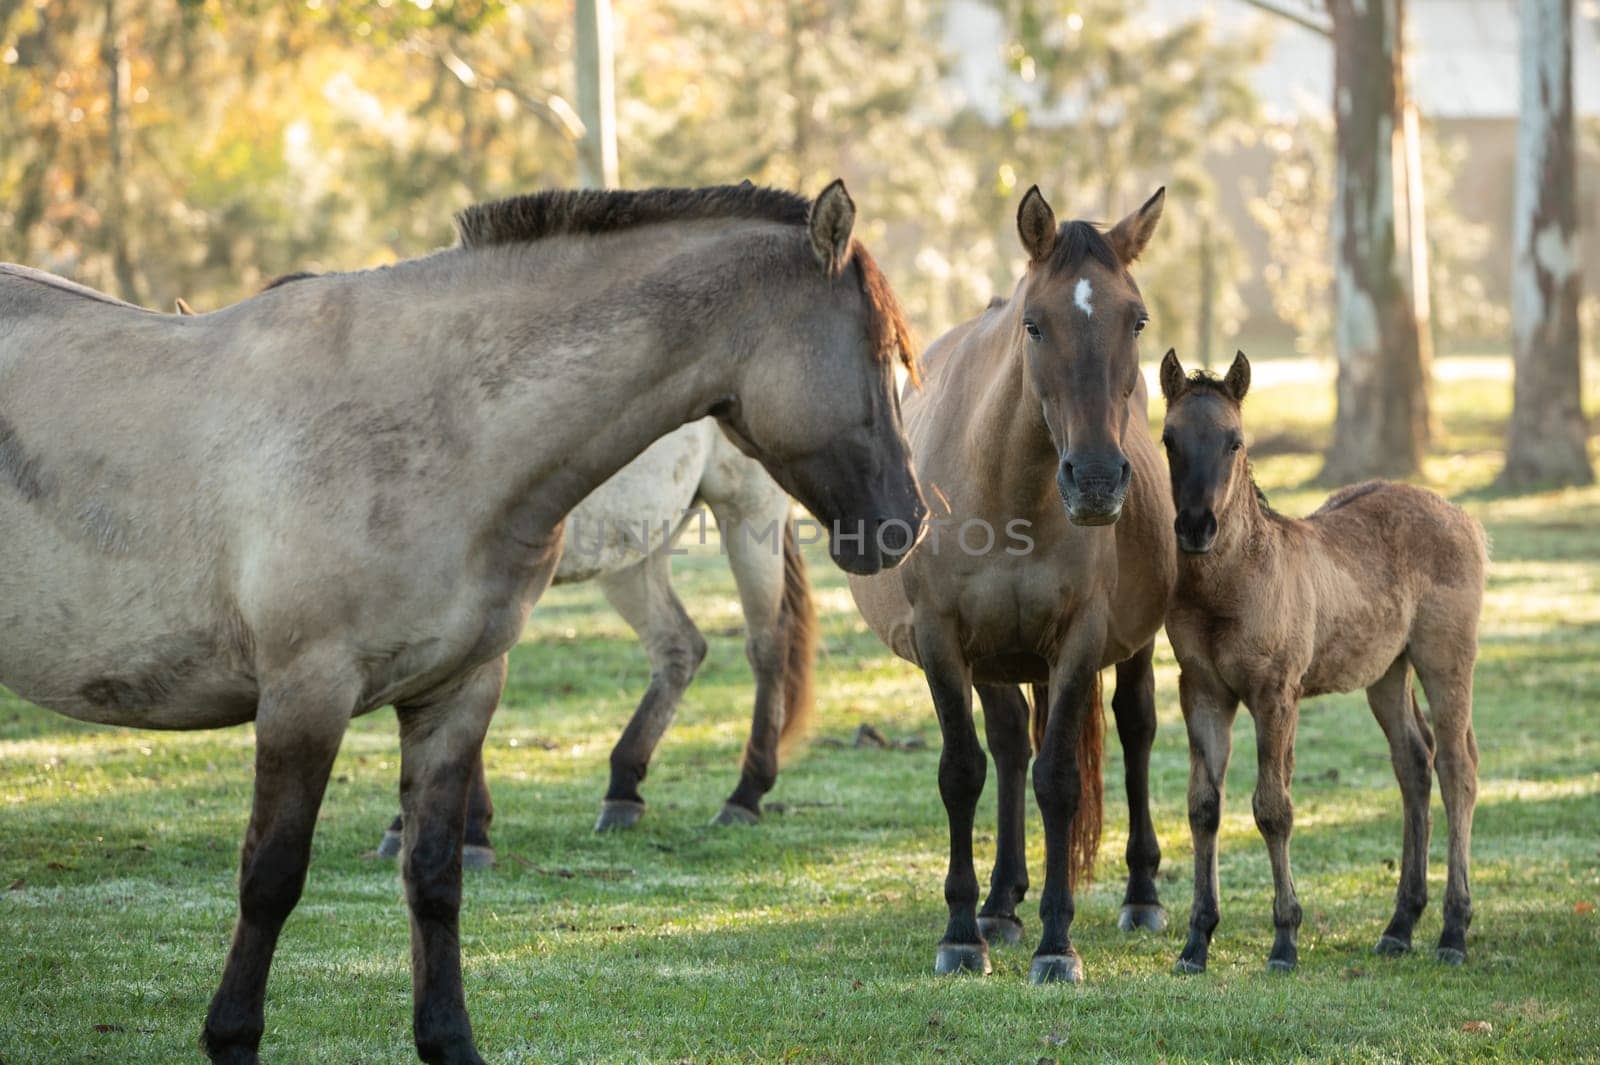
<point x="1079" y="240"/>
<point x="568" y="212"/>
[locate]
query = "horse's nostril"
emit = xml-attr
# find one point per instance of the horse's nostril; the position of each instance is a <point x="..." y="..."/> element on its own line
<point x="1127" y="473"/>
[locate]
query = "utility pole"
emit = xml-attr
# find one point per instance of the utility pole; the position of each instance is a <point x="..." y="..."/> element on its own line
<point x="597" y="101"/>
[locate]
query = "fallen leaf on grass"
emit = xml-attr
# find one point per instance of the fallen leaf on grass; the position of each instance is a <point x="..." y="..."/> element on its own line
<point x="1584" y="907"/>
<point x="105" y="1028"/>
<point x="1478" y="1027"/>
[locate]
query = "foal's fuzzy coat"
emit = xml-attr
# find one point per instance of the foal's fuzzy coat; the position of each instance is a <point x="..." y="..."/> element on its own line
<point x="1381" y="579"/>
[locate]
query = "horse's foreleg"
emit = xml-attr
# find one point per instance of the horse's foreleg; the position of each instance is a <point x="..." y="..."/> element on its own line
<point x="299" y="724"/>
<point x="962" y="769"/>
<point x="643" y="595"/>
<point x="1208" y="712"/>
<point x="1411" y="753"/>
<point x="1275" y="717"/>
<point x="1134" y="706"/>
<point x="441" y="744"/>
<point x="1058" y="787"/>
<point x="1005" y="726"/>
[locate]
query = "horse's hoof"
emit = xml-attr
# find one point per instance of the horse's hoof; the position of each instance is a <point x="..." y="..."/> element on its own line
<point x="1056" y="969"/>
<point x="1185" y="967"/>
<point x="1279" y="965"/>
<point x="618" y="813"/>
<point x="1451" y="956"/>
<point x="389" y="846"/>
<point x="1392" y="946"/>
<point x="1150" y="916"/>
<point x="734" y="814"/>
<point x="477" y="856"/>
<point x="962" y="958"/>
<point x="1001" y="929"/>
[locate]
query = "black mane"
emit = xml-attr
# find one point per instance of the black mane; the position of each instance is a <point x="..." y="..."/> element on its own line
<point x="1079" y="240"/>
<point x="568" y="212"/>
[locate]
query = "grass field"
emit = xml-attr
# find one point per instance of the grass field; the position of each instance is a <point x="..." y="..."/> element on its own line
<point x="810" y="938"/>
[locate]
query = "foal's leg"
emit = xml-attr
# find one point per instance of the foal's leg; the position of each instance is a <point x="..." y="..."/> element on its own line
<point x="1057" y="785"/>
<point x="962" y="769"/>
<point x="757" y="565"/>
<point x="1449" y="690"/>
<point x="643" y="595"/>
<point x="1005" y="725"/>
<point x="441" y="742"/>
<point x="1134" y="706"/>
<point x="1276" y="714"/>
<point x="1411" y="752"/>
<point x="301" y="718"/>
<point x="1208" y="712"/>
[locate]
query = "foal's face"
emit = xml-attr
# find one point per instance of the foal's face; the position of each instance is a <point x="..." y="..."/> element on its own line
<point x="1081" y="318"/>
<point x="1204" y="438"/>
<point x="817" y="402"/>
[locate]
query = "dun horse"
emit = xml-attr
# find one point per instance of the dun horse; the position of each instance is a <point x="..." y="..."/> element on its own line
<point x="1382" y="579"/>
<point x="347" y="493"/>
<point x="1051" y="557"/>
<point x="622" y="536"/>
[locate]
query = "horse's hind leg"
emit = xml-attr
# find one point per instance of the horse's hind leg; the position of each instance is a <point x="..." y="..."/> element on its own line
<point x="299" y="725"/>
<point x="1005" y="725"/>
<point x="440" y="744"/>
<point x="643" y="595"/>
<point x="477" y="852"/>
<point x="1449" y="690"/>
<point x="1134" y="706"/>
<point x="1411" y="752"/>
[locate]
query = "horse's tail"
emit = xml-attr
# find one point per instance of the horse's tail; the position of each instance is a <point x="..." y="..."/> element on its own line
<point x="1091" y="748"/>
<point x="799" y="626"/>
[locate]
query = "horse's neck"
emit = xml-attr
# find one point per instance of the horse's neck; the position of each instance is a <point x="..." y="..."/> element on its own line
<point x="1012" y="449"/>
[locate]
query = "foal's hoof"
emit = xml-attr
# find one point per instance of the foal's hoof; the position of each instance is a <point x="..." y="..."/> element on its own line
<point x="477" y="856"/>
<point x="734" y="814"/>
<point x="962" y="958"/>
<point x="618" y="813"/>
<point x="1056" y="969"/>
<point x="389" y="846"/>
<point x="1150" y="916"/>
<point x="1451" y="956"/>
<point x="1001" y="929"/>
<point x="1280" y="965"/>
<point x="1186" y="967"/>
<point x="1392" y="946"/>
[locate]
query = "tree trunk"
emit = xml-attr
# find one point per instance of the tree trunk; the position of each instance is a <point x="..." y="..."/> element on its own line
<point x="1548" y="440"/>
<point x="1380" y="425"/>
<point x="597" y="150"/>
<point x="116" y="214"/>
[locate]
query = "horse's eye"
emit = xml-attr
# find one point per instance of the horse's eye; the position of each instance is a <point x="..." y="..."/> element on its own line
<point x="1032" y="328"/>
<point x="1166" y="440"/>
<point x="1235" y="446"/>
<point x="1138" y="327"/>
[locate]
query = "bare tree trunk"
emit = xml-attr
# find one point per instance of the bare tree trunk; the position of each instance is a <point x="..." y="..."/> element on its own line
<point x="1381" y="421"/>
<point x="1548" y="439"/>
<point x="597" y="150"/>
<point x="1206" y="315"/>
<point x="116" y="214"/>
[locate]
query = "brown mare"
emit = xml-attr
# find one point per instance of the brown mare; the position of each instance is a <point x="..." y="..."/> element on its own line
<point x="347" y="493"/>
<point x="1382" y="579"/>
<point x="1050" y="558"/>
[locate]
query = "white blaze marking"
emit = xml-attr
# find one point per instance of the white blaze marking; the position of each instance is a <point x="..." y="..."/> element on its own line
<point x="1080" y="296"/>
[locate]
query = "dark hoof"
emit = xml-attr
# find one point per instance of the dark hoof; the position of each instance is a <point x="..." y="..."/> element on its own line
<point x="1279" y="965"/>
<point x="1392" y="946"/>
<point x="734" y="814"/>
<point x="389" y="846"/>
<point x="477" y="856"/>
<point x="962" y="958"/>
<point x="1007" y="930"/>
<point x="1451" y="956"/>
<point x="1185" y="967"/>
<point x="1056" y="969"/>
<point x="618" y="813"/>
<point x="1150" y="916"/>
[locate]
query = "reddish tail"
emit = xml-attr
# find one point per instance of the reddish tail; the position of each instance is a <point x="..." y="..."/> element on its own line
<point x="800" y="629"/>
<point x="1086" y="822"/>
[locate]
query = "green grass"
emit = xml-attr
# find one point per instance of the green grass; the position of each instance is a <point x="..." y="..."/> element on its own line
<point x="811" y="937"/>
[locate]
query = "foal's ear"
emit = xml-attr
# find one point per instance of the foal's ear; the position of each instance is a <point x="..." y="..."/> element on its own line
<point x="1036" y="225"/>
<point x="1171" y="375"/>
<point x="833" y="215"/>
<point x="1238" y="380"/>
<point x="1129" y="236"/>
<point x="181" y="306"/>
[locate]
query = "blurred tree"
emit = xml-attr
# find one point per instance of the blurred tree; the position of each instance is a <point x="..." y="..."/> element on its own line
<point x="1548" y="439"/>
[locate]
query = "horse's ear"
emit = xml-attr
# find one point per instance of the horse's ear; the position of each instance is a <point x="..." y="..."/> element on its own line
<point x="1171" y="375"/>
<point x="1129" y="236"/>
<point x="181" y="306"/>
<point x="1238" y="380"/>
<point x="833" y="215"/>
<point x="1036" y="225"/>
